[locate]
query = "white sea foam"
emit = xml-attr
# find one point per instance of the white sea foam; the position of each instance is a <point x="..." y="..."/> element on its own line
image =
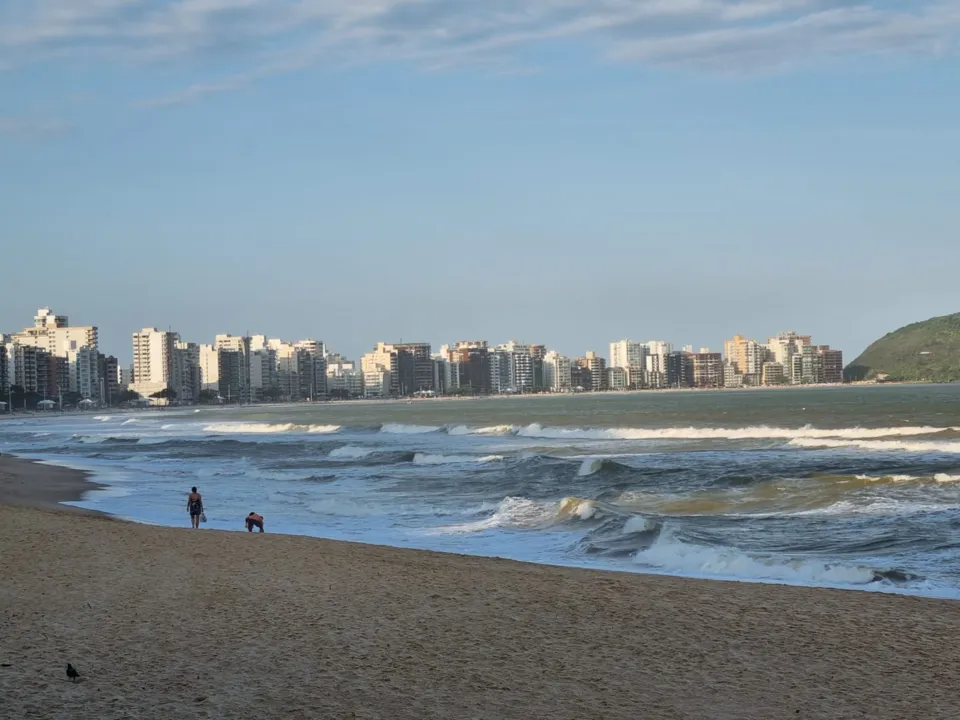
<point x="351" y="451"/>
<point x="492" y="430"/>
<point x="879" y="445"/>
<point x="514" y="513"/>
<point x="401" y="429"/>
<point x="945" y="478"/>
<point x="130" y="421"/>
<point x="269" y="428"/>
<point x="889" y="478"/>
<point x="669" y="554"/>
<point x="103" y="418"/>
<point x="638" y="523"/>
<point x="760" y="432"/>
<point x="574" y="507"/>
<point x="520" y="513"/>
<point x="427" y="459"/>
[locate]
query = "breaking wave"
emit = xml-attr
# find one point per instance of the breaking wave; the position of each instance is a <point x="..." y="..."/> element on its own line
<point x="351" y="452"/>
<point x="760" y="432"/>
<point x="427" y="459"/>
<point x="268" y="428"/>
<point x="492" y="430"/>
<point x="520" y="513"/>
<point x="669" y="554"/>
<point x="592" y="466"/>
<point x="401" y="429"/>
<point x="879" y="445"/>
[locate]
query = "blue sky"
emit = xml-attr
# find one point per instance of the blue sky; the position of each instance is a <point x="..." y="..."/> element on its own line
<point x="547" y="170"/>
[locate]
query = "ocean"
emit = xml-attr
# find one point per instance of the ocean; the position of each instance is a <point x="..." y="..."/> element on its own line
<point x="855" y="487"/>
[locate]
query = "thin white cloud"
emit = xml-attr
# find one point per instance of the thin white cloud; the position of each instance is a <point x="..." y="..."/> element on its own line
<point x="272" y="36"/>
<point x="26" y="128"/>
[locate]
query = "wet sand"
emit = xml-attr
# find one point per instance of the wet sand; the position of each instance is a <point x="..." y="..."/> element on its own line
<point x="175" y="623"/>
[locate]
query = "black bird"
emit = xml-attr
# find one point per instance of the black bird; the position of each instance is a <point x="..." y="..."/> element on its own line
<point x="72" y="672"/>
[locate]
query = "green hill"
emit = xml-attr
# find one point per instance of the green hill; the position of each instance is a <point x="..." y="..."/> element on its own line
<point x="925" y="351"/>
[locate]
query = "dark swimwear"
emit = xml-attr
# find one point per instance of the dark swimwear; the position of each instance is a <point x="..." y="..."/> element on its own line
<point x="196" y="507"/>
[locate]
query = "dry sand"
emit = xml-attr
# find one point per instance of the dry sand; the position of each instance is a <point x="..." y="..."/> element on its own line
<point x="171" y="623"/>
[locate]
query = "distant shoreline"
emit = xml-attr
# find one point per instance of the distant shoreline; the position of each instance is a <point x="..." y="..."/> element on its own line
<point x="449" y="398"/>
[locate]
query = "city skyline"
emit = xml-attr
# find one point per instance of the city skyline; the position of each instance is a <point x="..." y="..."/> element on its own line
<point x="52" y="358"/>
<point x="126" y="355"/>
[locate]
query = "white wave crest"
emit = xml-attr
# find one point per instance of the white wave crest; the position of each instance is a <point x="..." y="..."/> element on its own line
<point x="760" y="432"/>
<point x="401" y="429"/>
<point x="268" y="428"/>
<point x="427" y="459"/>
<point x="130" y="421"/>
<point x="945" y="478"/>
<point x="888" y="478"/>
<point x="879" y="445"/>
<point x="574" y="507"/>
<point x="518" y="513"/>
<point x="103" y="418"/>
<point x="492" y="430"/>
<point x="351" y="451"/>
<point x="638" y="523"/>
<point x="590" y="466"/>
<point x="671" y="555"/>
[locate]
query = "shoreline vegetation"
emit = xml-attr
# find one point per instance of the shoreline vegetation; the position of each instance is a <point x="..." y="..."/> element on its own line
<point x="178" y="623"/>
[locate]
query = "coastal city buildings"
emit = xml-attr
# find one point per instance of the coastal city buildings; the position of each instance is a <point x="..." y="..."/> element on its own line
<point x="153" y="361"/>
<point x="53" y="360"/>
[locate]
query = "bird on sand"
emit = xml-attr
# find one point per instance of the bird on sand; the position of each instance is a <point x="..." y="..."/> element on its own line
<point x="72" y="672"/>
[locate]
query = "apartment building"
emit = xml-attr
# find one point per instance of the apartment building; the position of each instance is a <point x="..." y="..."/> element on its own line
<point x="680" y="369"/>
<point x="617" y="378"/>
<point x="632" y="357"/>
<point x="187" y="379"/>
<point x="209" y="368"/>
<point x="831" y="365"/>
<point x="85" y="368"/>
<point x="707" y="370"/>
<point x="109" y="371"/>
<point x="557" y="372"/>
<point x="597" y="367"/>
<point x="473" y="359"/>
<point x="153" y="360"/>
<point x="233" y="367"/>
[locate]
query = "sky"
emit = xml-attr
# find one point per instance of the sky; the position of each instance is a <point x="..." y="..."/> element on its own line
<point x="564" y="172"/>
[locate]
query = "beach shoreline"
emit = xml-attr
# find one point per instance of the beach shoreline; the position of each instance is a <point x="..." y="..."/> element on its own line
<point x="167" y="622"/>
<point x="42" y="484"/>
<point x="164" y="621"/>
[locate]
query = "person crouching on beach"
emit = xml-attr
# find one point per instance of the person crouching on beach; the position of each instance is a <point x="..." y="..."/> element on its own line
<point x="194" y="507"/>
<point x="254" y="521"/>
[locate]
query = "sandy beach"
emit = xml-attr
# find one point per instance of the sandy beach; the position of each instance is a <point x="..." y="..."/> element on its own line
<point x="174" y="623"/>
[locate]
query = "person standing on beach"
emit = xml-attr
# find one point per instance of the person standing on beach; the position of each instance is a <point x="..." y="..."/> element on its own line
<point x="194" y="507"/>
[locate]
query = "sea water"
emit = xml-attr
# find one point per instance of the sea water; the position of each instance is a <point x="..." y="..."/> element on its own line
<point x="846" y="487"/>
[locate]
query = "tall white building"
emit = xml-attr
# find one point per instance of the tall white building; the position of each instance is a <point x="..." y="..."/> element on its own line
<point x="209" y="368"/>
<point x="556" y="372"/>
<point x="53" y="334"/>
<point x="632" y="357"/>
<point x="511" y="368"/>
<point x="656" y="363"/>
<point x="153" y="360"/>
<point x="85" y="371"/>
